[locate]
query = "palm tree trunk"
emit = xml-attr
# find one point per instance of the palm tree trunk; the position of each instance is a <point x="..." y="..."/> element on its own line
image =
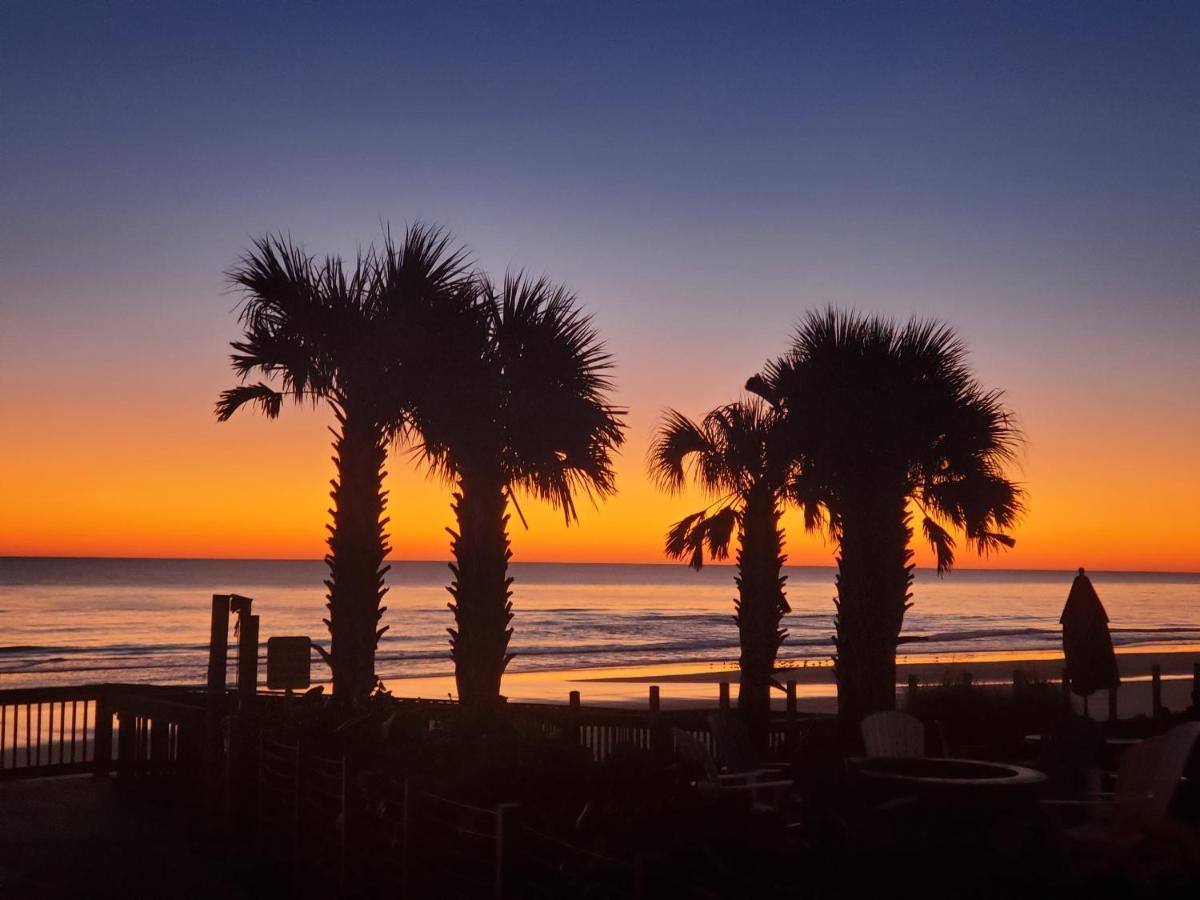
<point x="482" y="606"/>
<point x="760" y="607"/>
<point x="357" y="547"/>
<point x="873" y="581"/>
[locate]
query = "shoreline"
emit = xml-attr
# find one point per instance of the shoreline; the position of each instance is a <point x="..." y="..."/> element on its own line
<point x="697" y="684"/>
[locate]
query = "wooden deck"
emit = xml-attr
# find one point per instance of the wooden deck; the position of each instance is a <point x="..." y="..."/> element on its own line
<point x="96" y="837"/>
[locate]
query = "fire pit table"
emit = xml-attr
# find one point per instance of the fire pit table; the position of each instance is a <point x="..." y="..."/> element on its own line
<point x="939" y="774"/>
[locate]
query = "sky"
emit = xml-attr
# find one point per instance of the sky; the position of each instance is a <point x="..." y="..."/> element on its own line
<point x="700" y="174"/>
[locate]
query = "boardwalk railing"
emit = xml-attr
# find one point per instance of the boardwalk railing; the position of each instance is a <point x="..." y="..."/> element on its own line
<point x="97" y="728"/>
<point x="601" y="730"/>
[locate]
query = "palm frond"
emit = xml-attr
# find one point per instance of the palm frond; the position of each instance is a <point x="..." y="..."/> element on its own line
<point x="676" y="440"/>
<point x="266" y="398"/>
<point x="942" y="543"/>
<point x="690" y="536"/>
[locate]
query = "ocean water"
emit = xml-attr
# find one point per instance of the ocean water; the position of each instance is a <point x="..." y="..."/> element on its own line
<point x="74" y="621"/>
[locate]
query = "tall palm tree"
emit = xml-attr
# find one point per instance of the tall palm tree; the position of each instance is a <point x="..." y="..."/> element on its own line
<point x="884" y="419"/>
<point x="736" y="455"/>
<point x="522" y="403"/>
<point x="320" y="332"/>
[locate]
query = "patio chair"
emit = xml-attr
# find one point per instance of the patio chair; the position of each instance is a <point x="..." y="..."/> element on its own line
<point x="893" y="734"/>
<point x="735" y="749"/>
<point x="1139" y="809"/>
<point x="763" y="793"/>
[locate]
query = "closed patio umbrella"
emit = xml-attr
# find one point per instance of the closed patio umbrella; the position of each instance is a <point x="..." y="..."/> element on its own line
<point x="1087" y="645"/>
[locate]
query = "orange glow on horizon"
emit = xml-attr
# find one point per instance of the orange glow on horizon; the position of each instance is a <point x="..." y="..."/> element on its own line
<point x="178" y="484"/>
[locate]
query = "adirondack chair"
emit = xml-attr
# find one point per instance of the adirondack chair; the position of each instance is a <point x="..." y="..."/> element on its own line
<point x="1139" y="809"/>
<point x="735" y="749"/>
<point x="764" y="794"/>
<point x="893" y="734"/>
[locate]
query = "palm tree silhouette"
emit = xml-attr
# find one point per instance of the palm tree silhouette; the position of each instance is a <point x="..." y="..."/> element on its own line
<point x="737" y="456"/>
<point x="883" y="418"/>
<point x="320" y="332"/>
<point x="523" y="404"/>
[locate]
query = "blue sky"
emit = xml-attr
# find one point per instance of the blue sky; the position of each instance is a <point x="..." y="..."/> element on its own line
<point x="700" y="173"/>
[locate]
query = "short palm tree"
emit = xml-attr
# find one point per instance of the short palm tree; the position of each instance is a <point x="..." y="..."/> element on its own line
<point x="521" y="403"/>
<point x="319" y="332"/>
<point x="883" y="419"/>
<point x="736" y="455"/>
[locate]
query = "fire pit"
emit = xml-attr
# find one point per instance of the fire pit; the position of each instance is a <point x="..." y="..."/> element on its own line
<point x="945" y="773"/>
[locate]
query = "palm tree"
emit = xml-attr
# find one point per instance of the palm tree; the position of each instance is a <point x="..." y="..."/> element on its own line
<point x="521" y="403"/>
<point x="736" y="455"/>
<point x="320" y="333"/>
<point x="883" y="419"/>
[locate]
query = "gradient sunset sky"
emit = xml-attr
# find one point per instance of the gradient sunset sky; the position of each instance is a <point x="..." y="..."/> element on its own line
<point x="700" y="174"/>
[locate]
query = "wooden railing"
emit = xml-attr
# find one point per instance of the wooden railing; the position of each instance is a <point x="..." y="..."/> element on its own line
<point x="53" y="730"/>
<point x="602" y="729"/>
<point x="98" y="728"/>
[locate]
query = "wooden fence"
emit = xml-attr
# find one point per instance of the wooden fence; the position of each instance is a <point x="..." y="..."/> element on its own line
<point x="602" y="729"/>
<point x="98" y="728"/>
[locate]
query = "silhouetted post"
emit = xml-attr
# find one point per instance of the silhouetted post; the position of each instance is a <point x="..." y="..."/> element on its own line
<point x="573" y="716"/>
<point x="1112" y="704"/>
<point x="159" y="745"/>
<point x="218" y="643"/>
<point x="506" y="833"/>
<point x="912" y="687"/>
<point x="243" y="738"/>
<point x="1196" y="686"/>
<point x="126" y="742"/>
<point x="218" y="659"/>
<point x="1156" y="706"/>
<point x="1066" y="684"/>
<point x="792" y="743"/>
<point x="247" y="663"/>
<point x="723" y="696"/>
<point x="657" y="744"/>
<point x="406" y="828"/>
<point x="102" y="734"/>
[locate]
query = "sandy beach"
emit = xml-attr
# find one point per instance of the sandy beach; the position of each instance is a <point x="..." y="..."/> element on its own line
<point x="816" y="689"/>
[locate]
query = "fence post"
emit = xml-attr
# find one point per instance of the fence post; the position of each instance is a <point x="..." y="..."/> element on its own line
<point x="102" y="735"/>
<point x="126" y="742"/>
<point x="791" y="730"/>
<point x="1066" y="683"/>
<point x="159" y="743"/>
<point x="657" y="744"/>
<point x="573" y="717"/>
<point x="506" y="833"/>
<point x="243" y="738"/>
<point x="218" y="659"/>
<point x="912" y="687"/>
<point x="1156" y="706"/>
<point x="1112" y="704"/>
<point x="406" y="829"/>
<point x="247" y="670"/>
<point x="723" y="696"/>
<point x="1196" y="686"/>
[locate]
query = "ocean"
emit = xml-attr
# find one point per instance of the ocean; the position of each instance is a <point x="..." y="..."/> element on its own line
<point x="76" y="621"/>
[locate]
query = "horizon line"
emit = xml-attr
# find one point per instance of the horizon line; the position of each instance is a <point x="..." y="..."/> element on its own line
<point x="672" y="565"/>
